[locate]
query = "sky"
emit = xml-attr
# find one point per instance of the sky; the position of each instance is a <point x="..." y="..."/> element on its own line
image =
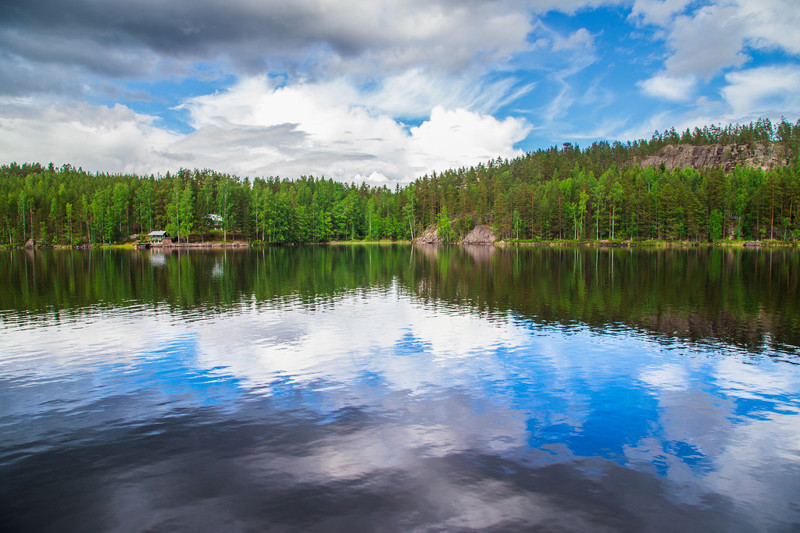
<point x="382" y="91"/>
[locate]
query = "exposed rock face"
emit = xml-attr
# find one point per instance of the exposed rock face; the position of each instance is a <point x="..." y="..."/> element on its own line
<point x="31" y="243"/>
<point x="429" y="236"/>
<point x="724" y="157"/>
<point x="481" y="234"/>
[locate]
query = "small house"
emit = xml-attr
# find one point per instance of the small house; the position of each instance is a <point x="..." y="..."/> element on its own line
<point x="215" y="221"/>
<point x="158" y="236"/>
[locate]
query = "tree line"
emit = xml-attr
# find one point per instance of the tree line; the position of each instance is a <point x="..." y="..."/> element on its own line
<point x="599" y="192"/>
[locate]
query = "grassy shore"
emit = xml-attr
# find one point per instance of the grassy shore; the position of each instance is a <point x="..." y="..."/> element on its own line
<point x="125" y="246"/>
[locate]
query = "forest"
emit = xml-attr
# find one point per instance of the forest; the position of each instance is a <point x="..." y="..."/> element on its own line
<point x="568" y="193"/>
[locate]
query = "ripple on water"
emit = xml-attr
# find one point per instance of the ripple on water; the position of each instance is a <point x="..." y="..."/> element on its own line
<point x="412" y="400"/>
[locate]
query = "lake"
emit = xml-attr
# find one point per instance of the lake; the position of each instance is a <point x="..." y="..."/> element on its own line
<point x="397" y="388"/>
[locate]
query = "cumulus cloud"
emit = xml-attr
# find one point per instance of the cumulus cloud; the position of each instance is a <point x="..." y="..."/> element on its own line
<point x="354" y="78"/>
<point x="711" y="50"/>
<point x="335" y="135"/>
<point x="706" y="41"/>
<point x="657" y="12"/>
<point x="351" y="73"/>
<point x="307" y="37"/>
<point x="712" y="37"/>
<point x="581" y="39"/>
<point x="668" y="87"/>
<point x="746" y="95"/>
<point x="772" y="24"/>
<point x="462" y="137"/>
<point x="763" y="91"/>
<point x="96" y="137"/>
<point x="256" y="129"/>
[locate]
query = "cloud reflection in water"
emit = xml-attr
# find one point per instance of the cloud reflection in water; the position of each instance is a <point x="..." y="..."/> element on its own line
<point x="376" y="409"/>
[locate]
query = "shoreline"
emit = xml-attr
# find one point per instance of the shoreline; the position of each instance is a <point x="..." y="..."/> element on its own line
<point x="653" y="244"/>
<point x="499" y="243"/>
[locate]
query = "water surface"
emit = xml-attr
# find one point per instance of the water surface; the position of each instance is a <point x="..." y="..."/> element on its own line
<point x="400" y="389"/>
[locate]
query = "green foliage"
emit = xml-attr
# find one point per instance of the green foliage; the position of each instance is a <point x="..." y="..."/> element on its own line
<point x="546" y="194"/>
<point x="186" y="211"/>
<point x="225" y="205"/>
<point x="715" y="225"/>
<point x="68" y="214"/>
<point x="443" y="227"/>
<point x="517" y="223"/>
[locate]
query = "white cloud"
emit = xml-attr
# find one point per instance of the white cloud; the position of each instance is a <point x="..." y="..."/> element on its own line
<point x="255" y="129"/>
<point x="462" y="137"/>
<point x="337" y="136"/>
<point x="772" y="23"/>
<point x="413" y="93"/>
<point x="657" y="12"/>
<point x="308" y="38"/>
<point x="581" y="39"/>
<point x="668" y="87"/>
<point x="763" y="91"/>
<point x="706" y="40"/>
<point x="571" y="6"/>
<point x="95" y="137"/>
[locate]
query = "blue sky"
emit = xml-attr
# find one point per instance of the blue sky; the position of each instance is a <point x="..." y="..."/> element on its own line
<point x="382" y="91"/>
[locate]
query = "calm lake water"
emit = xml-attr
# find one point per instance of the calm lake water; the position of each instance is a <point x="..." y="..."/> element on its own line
<point x="392" y="388"/>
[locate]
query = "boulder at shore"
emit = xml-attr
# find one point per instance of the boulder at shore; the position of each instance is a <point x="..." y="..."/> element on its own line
<point x="481" y="234"/>
<point x="429" y="236"/>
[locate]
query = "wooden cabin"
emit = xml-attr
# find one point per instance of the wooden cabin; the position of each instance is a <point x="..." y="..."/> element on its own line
<point x="156" y="237"/>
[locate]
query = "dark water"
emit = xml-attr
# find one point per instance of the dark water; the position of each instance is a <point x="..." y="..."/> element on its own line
<point x="400" y="389"/>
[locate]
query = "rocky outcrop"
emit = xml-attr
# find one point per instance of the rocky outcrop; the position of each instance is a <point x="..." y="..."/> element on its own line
<point x="429" y="236"/>
<point x="481" y="234"/>
<point x="716" y="156"/>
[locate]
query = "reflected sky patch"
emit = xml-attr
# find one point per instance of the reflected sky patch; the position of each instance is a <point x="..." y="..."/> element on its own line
<point x="379" y="409"/>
